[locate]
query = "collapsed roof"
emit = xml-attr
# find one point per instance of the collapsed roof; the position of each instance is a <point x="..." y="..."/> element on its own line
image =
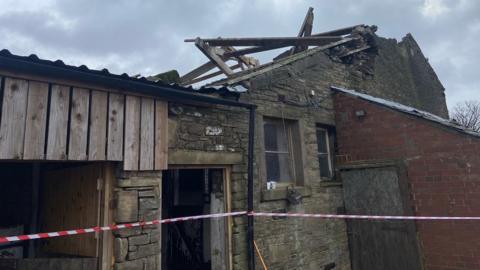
<point x="341" y="43"/>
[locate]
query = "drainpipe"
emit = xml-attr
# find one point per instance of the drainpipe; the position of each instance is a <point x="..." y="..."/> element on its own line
<point x="250" y="221"/>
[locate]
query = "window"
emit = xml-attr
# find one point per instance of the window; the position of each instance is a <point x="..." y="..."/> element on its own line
<point x="281" y="149"/>
<point x="325" y="146"/>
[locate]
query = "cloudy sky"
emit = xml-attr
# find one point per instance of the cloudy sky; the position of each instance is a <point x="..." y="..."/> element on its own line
<point x="146" y="37"/>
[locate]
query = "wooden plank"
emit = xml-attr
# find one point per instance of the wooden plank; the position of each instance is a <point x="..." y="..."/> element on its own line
<point x="269" y="41"/>
<point x="132" y="133"/>
<point x="98" y="126"/>
<point x="106" y="256"/>
<point x="58" y="123"/>
<point x="211" y="75"/>
<point x="211" y="54"/>
<point x="185" y="79"/>
<point x="161" y="135"/>
<point x="115" y="127"/>
<point x="147" y="127"/>
<point x="250" y="50"/>
<point x="36" y="122"/>
<point x="14" y="110"/>
<point x="77" y="186"/>
<point x="79" y="124"/>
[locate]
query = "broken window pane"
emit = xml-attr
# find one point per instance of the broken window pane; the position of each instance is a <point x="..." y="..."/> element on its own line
<point x="278" y="167"/>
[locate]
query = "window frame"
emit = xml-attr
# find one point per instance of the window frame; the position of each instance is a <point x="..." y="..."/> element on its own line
<point x="293" y="141"/>
<point x="330" y="147"/>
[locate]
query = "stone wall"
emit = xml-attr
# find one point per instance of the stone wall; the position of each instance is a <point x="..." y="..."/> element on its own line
<point x="399" y="71"/>
<point x="300" y="91"/>
<point x="138" y="198"/>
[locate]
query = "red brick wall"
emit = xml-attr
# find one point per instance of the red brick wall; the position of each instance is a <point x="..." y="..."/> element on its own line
<point x="443" y="168"/>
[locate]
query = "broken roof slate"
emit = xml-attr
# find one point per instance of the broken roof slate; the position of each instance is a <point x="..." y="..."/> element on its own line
<point x="407" y="109"/>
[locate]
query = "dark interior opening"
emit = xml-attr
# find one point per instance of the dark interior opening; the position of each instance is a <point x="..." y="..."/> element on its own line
<point x="187" y="192"/>
<point x="36" y="197"/>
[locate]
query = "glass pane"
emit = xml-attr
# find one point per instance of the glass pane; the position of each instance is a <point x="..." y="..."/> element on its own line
<point x="323" y="163"/>
<point x="273" y="167"/>
<point x="278" y="167"/>
<point x="322" y="141"/>
<point x="270" y="134"/>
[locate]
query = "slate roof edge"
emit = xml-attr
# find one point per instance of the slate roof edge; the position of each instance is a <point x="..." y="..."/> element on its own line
<point x="407" y="109"/>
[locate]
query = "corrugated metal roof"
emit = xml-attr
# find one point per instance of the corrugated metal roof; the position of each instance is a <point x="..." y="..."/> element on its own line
<point x="409" y="110"/>
<point x="222" y="90"/>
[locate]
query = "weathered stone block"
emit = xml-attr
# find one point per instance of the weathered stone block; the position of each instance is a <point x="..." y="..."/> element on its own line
<point x="139" y="240"/>
<point x="149" y="203"/>
<point x="150" y="215"/>
<point x="120" y="249"/>
<point x="144" y="251"/>
<point x="155" y="235"/>
<point x="127" y="207"/>
<point x="127" y="232"/>
<point x="130" y="265"/>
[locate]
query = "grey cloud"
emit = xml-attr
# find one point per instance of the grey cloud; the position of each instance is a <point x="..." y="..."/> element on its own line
<point x="147" y="36"/>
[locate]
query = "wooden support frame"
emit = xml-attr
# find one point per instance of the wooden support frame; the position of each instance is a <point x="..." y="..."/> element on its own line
<point x="268" y="41"/>
<point x="220" y="50"/>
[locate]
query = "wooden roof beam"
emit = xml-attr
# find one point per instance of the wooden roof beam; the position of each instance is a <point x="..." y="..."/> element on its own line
<point x="269" y="41"/>
<point x="213" y="56"/>
<point x="338" y="32"/>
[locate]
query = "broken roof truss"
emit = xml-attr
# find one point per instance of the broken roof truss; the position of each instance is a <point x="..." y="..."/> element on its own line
<point x="221" y="50"/>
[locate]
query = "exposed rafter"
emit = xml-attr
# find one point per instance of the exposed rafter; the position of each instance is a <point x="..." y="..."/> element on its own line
<point x="219" y="51"/>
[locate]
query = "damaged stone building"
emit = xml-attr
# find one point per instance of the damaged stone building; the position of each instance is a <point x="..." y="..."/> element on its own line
<point x="81" y="148"/>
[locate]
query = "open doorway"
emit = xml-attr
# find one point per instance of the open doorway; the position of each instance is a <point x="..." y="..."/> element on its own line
<point x="197" y="244"/>
<point x="49" y="197"/>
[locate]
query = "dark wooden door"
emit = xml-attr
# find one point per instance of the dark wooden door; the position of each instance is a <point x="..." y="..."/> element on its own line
<point x="379" y="244"/>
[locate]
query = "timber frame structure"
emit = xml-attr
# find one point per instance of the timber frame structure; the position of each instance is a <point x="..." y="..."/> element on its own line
<point x="220" y="51"/>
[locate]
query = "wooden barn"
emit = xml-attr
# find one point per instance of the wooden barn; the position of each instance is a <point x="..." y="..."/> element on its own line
<point x="76" y="145"/>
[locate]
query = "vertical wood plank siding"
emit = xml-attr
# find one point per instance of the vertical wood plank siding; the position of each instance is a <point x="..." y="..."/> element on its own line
<point x="115" y="127"/>
<point x="77" y="149"/>
<point x="58" y="123"/>
<point x="161" y="135"/>
<point x="47" y="121"/>
<point x="132" y="133"/>
<point x="36" y="125"/>
<point x="147" y="134"/>
<point x="98" y="126"/>
<point x="14" y="110"/>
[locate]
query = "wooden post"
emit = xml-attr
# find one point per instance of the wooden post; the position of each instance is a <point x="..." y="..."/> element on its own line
<point x="35" y="201"/>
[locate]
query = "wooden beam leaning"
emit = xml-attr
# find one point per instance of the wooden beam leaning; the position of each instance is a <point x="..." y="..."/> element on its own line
<point x="211" y="75"/>
<point x="185" y="79"/>
<point x="355" y="51"/>
<point x="216" y="59"/>
<point x="305" y="31"/>
<point x="270" y="41"/>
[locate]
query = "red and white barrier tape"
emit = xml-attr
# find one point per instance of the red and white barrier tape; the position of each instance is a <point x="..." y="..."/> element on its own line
<point x="241" y="213"/>
<point x="329" y="216"/>
<point x="114" y="227"/>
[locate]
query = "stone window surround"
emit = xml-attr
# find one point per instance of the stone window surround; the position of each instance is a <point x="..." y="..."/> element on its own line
<point x="280" y="193"/>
